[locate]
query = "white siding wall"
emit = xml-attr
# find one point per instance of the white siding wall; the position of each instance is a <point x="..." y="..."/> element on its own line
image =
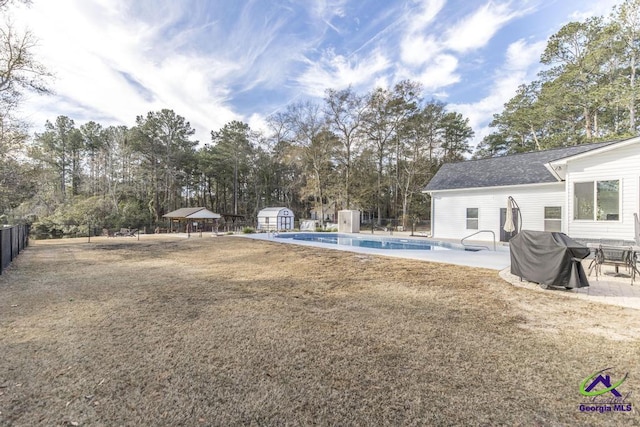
<point x="622" y="164"/>
<point x="450" y="209"/>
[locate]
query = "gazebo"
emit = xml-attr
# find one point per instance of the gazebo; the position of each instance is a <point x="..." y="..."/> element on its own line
<point x="191" y="216"/>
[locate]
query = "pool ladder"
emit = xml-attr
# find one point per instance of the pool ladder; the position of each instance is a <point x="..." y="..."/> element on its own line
<point x="479" y="246"/>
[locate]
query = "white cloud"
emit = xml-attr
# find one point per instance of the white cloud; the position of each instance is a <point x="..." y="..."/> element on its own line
<point x="520" y="66"/>
<point x="326" y="9"/>
<point x="476" y="30"/>
<point x="338" y="72"/>
<point x="437" y="74"/>
<point x="428" y="10"/>
<point x="599" y="8"/>
<point x="520" y="55"/>
<point x="417" y="45"/>
<point x="417" y="49"/>
<point x="257" y="122"/>
<point x="323" y="12"/>
<point x="91" y="59"/>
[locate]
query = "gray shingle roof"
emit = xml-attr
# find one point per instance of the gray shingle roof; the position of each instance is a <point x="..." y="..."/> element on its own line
<point x="192" y="213"/>
<point x="182" y="212"/>
<point x="515" y="169"/>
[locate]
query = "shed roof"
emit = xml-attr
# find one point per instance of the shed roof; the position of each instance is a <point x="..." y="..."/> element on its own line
<point x="272" y="211"/>
<point x="515" y="169"/>
<point x="192" y="213"/>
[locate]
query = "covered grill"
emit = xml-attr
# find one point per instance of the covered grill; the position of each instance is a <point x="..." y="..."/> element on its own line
<point x="548" y="258"/>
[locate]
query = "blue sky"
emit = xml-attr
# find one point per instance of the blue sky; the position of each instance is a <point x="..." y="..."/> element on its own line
<point x="213" y="61"/>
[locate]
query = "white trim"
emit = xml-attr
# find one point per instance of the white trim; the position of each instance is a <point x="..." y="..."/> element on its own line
<point x="613" y="146"/>
<point x="467" y="218"/>
<point x="595" y="201"/>
<point x="554" y="171"/>
<point x="497" y="187"/>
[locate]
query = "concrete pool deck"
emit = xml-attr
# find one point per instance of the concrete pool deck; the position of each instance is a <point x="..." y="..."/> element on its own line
<point x="494" y="260"/>
<point x="609" y="289"/>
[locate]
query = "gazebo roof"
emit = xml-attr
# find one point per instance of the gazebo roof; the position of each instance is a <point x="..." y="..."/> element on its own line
<point x="192" y="213"/>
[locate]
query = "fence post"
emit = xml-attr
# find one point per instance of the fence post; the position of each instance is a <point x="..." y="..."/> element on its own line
<point x="1" y="249"/>
<point x="11" y="243"/>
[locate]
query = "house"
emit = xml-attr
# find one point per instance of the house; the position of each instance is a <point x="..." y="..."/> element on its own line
<point x="589" y="192"/>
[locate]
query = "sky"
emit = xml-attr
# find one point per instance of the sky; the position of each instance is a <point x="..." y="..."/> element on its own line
<point x="213" y="61"/>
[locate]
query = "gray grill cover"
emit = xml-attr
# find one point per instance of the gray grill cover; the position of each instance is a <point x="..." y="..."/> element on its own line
<point x="548" y="259"/>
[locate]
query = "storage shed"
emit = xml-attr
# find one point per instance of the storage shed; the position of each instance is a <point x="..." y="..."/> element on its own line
<point x="348" y="221"/>
<point x="275" y="219"/>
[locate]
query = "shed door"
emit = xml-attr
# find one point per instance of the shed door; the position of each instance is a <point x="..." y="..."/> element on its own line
<point x="504" y="236"/>
<point x="285" y="223"/>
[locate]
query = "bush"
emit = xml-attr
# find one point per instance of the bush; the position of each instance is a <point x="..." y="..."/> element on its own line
<point x="248" y="230"/>
<point x="327" y="230"/>
<point x="45" y="230"/>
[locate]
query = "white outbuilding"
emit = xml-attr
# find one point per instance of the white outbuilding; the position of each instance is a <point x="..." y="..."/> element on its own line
<point x="275" y="219"/>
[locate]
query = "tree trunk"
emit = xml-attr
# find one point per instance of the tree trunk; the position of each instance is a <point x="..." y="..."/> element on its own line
<point x="535" y="139"/>
<point x="379" y="191"/>
<point x="587" y="122"/>
<point x="319" y="184"/>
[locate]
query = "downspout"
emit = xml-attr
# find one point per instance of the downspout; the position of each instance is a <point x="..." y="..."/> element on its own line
<point x="433" y="211"/>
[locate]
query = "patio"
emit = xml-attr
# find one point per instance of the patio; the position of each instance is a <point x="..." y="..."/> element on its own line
<point x="610" y="288"/>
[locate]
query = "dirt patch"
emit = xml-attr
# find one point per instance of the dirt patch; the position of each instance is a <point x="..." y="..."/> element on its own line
<point x="223" y="331"/>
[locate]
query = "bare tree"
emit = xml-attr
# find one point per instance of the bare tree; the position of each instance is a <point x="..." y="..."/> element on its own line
<point x="19" y="70"/>
<point x="344" y="110"/>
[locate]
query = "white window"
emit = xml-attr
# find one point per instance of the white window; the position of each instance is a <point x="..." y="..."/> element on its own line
<point x="472" y="218"/>
<point x="552" y="218"/>
<point x="597" y="200"/>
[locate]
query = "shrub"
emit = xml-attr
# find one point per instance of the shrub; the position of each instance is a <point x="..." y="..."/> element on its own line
<point x="248" y="230"/>
<point x="327" y="230"/>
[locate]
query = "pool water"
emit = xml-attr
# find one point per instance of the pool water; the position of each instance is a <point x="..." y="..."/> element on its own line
<point x="374" y="242"/>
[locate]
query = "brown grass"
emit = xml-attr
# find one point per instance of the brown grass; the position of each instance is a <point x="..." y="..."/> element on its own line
<point x="229" y="331"/>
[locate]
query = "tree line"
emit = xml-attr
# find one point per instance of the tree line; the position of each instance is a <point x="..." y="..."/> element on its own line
<point x="587" y="92"/>
<point x="374" y="152"/>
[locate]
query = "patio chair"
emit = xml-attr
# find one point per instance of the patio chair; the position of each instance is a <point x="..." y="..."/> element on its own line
<point x="127" y="232"/>
<point x="131" y="232"/>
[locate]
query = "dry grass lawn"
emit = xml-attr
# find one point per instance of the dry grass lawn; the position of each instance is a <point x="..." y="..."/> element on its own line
<point x="233" y="331"/>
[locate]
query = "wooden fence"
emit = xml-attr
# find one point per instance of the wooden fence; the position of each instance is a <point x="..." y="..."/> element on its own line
<point x="12" y="241"/>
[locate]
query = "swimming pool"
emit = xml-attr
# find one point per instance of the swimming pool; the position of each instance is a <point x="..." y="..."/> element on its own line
<point x="374" y="242"/>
